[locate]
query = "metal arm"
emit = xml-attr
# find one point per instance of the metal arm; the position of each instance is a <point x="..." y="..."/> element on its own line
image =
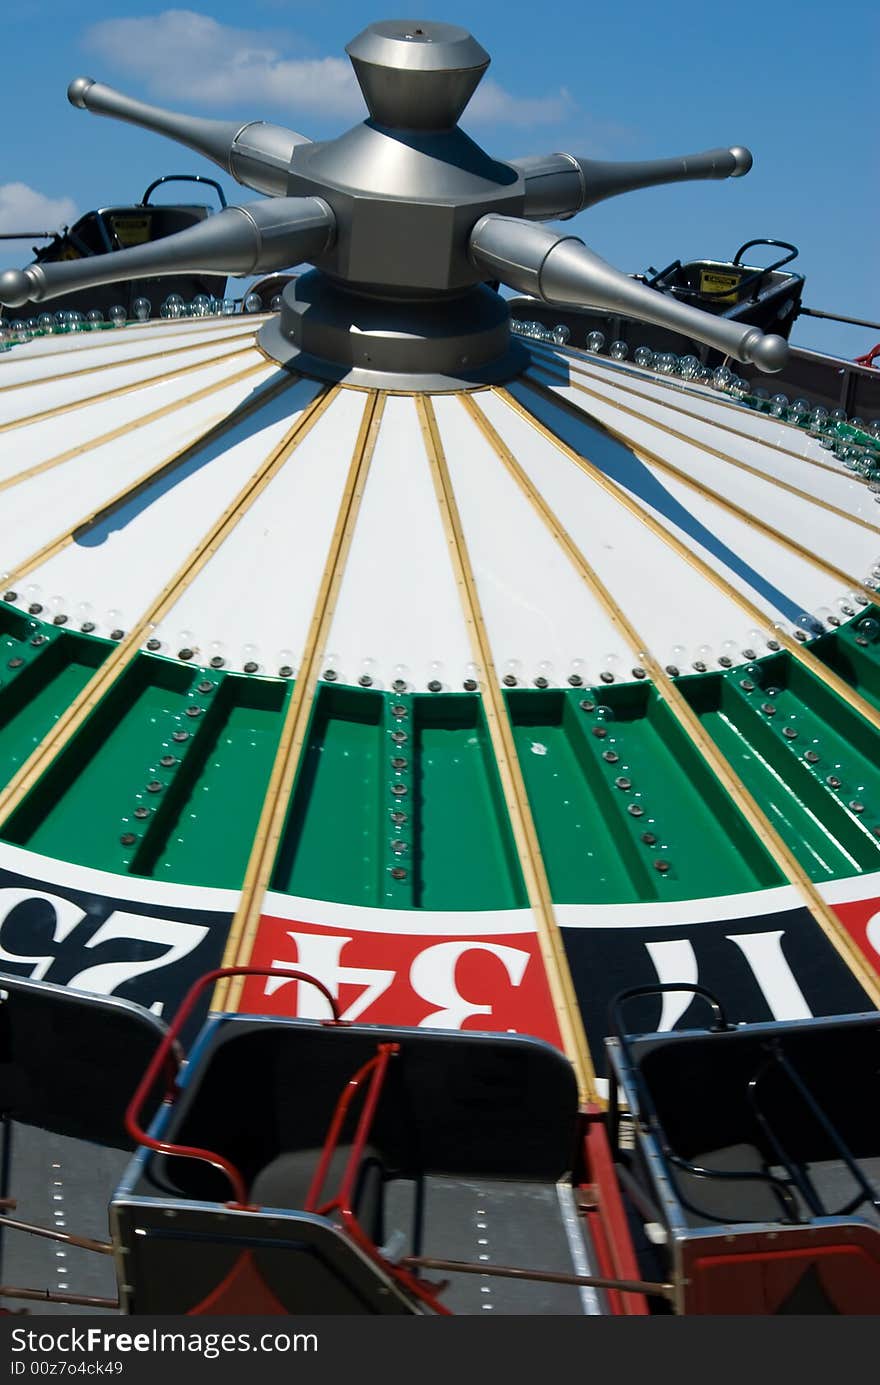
<point x="258" y="238"/>
<point x="561" y="270"/>
<point x="255" y="153"/>
<point x="560" y="185"/>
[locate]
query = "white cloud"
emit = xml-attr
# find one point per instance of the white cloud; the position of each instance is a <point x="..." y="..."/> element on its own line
<point x="180" y="51"/>
<point x="492" y="105"/>
<point x="24" y="209"/>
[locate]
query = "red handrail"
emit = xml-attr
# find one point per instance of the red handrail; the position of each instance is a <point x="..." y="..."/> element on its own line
<point x="160" y="1059"/>
<point x="341" y="1202"/>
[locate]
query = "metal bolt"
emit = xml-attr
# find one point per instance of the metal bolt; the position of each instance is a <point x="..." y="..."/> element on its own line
<point x="116" y="634"/>
<point x="800" y="635"/>
<point x="398" y="710"/>
<point x="398" y="846"/>
<point x="607" y="676"/>
<point x="184" y="653"/>
<point x="61" y="620"/>
<point x="725" y="662"/>
<point x="639" y="672"/>
<point x="747" y="685"/>
<point x="470" y="685"/>
<point x="398" y="818"/>
<point x="856" y="806"/>
<point x="205" y="687"/>
<point x="37" y="640"/>
<point x="699" y="666"/>
<point x="155" y="786"/>
<point x="769" y="709"/>
<point x="10" y="596"/>
<point x="365" y="680"/>
<point x="621" y="782"/>
<point x="285" y="671"/>
<point x="587" y="706"/>
<point x="611" y="756"/>
<point x="128" y="839"/>
<point x="661" y="866"/>
<point x="397" y="873"/>
<point x="542" y="682"/>
<point x="154" y="644"/>
<point x="399" y="737"/>
<point x="575" y="680"/>
<point x="649" y="838"/>
<point x="435" y="685"/>
<point x="330" y="675"/>
<point x="16" y="662"/>
<point x="773" y="644"/>
<point x="833" y="782"/>
<point x="398" y="762"/>
<point x="142" y="811"/>
<point x="789" y="733"/>
<point x="811" y="757"/>
<point x="635" y="809"/>
<point x="35" y="608"/>
<point x="399" y="790"/>
<point x="194" y="711"/>
<point x="251" y="666"/>
<point x="749" y="654"/>
<point x="673" y="670"/>
<point x="168" y="761"/>
<point x="509" y="680"/>
<point x="599" y="732"/>
<point x="217" y="661"/>
<point x="180" y="736"/>
<point x="399" y="685"/>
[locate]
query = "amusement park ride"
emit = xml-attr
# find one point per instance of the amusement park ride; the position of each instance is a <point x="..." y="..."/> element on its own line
<point x="441" y="759"/>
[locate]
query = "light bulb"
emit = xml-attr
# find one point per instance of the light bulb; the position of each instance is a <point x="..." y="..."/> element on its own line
<point x="228" y="307"/>
<point x="285" y="663"/>
<point x="778" y="405"/>
<point x="216" y="654"/>
<point x="114" y="623"/>
<point x="185" y="644"/>
<point x="201" y="305"/>
<point x="471" y="681"/>
<point x="595" y="341"/>
<point x="250" y="658"/>
<point x="689" y="368"/>
<point x="561" y="334"/>
<point x="367" y="674"/>
<point x="435" y="681"/>
<point x="142" y="307"/>
<point x="721" y="377"/>
<point x="117" y="315"/>
<point x="400" y="678"/>
<point x="618" y="350"/>
<point x="275" y="304"/>
<point x="644" y="357"/>
<point x="544" y="675"/>
<point x="253" y="303"/>
<point x="512" y="673"/>
<point x="94" y="316"/>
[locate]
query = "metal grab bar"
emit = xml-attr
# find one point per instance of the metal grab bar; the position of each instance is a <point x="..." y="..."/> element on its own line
<point x="376" y="1069"/>
<point x="777" y="1058"/>
<point x="161" y="1058"/>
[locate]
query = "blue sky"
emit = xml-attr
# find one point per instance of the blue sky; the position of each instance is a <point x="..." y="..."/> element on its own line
<point x="796" y="82"/>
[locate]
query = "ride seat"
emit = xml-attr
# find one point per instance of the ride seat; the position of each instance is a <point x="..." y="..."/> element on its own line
<point x="286" y="1180"/>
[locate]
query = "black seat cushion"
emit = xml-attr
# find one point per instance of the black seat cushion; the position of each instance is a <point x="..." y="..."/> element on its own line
<point x="285" y="1182"/>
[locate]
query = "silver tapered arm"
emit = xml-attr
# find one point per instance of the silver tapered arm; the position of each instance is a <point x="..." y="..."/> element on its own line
<point x="259" y="238"/>
<point x="255" y="153"/>
<point x="560" y="185"/>
<point x="561" y="270"/>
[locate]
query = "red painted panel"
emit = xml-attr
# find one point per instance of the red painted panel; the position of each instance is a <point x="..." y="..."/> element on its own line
<point x="466" y="981"/>
<point x="861" y="918"/>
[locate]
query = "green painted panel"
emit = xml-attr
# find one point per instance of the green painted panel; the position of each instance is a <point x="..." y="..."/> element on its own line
<point x="854" y="653"/>
<point x="331" y="844"/>
<point x="811" y="762"/>
<point x="464" y="855"/>
<point x="76" y="810"/>
<point x="204" y="830"/>
<point x="624" y="807"/>
<point x="33" y="696"/>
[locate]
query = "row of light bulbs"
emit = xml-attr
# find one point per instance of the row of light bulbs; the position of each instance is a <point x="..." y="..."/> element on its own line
<point x="833" y="428"/>
<point x="611" y="668"/>
<point x="66" y="320"/>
